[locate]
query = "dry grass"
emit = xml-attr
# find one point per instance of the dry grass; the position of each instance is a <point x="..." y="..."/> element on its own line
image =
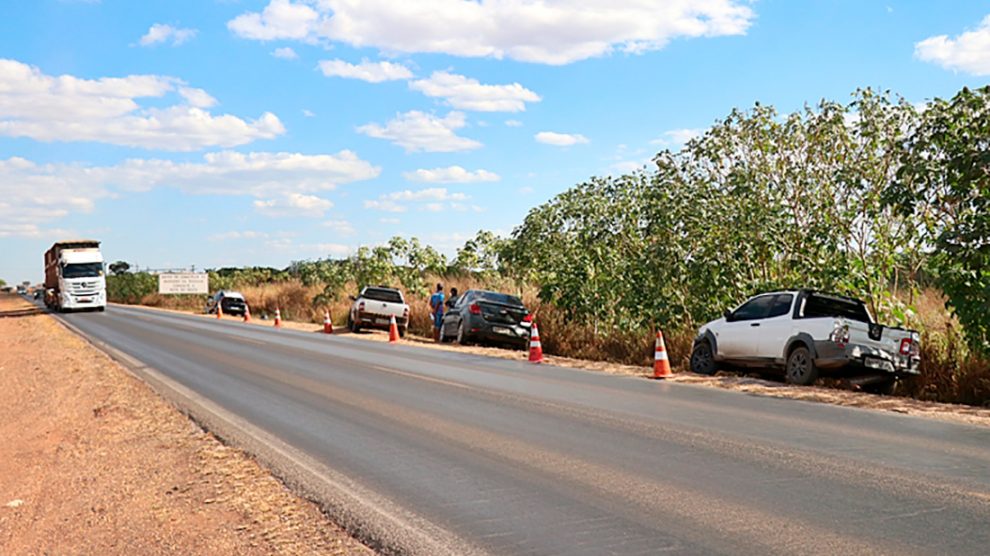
<point x="950" y="373"/>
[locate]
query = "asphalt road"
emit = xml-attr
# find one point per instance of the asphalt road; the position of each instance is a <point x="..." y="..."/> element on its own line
<point x="492" y="456"/>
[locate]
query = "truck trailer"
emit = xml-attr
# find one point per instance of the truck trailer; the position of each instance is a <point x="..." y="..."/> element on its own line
<point x="74" y="276"/>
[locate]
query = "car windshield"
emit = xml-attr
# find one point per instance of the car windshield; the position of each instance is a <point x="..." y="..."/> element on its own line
<point x="82" y="270"/>
<point x="382" y="294"/>
<point x="817" y="305"/>
<point x="501" y="298"/>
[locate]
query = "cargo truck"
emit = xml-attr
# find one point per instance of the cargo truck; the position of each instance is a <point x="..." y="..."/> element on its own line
<point x="74" y="277"/>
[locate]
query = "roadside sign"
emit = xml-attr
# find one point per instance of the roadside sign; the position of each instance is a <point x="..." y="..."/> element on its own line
<point x="183" y="282"/>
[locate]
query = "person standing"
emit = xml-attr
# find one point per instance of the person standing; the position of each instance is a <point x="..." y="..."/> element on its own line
<point x="436" y="311"/>
<point x="452" y="299"/>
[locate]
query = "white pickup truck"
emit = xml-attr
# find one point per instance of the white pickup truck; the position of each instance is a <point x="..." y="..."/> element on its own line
<point x="375" y="307"/>
<point x="806" y="333"/>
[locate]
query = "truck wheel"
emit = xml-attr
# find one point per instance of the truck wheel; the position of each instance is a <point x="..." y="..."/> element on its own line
<point x="352" y="325"/>
<point x="702" y="359"/>
<point x="801" y="368"/>
<point x="402" y="331"/>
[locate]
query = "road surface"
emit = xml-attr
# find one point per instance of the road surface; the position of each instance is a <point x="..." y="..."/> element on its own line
<point x="448" y="452"/>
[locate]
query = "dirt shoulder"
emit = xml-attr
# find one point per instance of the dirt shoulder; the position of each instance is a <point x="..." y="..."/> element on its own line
<point x="748" y="384"/>
<point x="93" y="462"/>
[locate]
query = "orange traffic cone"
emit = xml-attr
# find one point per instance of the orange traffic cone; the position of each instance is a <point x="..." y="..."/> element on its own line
<point x="247" y="313"/>
<point x="278" y="318"/>
<point x="219" y="311"/>
<point x="393" y="330"/>
<point x="535" y="347"/>
<point x="327" y="323"/>
<point x="661" y="364"/>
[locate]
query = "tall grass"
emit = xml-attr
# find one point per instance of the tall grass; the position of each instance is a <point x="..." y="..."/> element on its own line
<point x="949" y="371"/>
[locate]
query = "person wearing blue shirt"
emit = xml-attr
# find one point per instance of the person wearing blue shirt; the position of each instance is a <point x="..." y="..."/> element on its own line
<point x="436" y="311"/>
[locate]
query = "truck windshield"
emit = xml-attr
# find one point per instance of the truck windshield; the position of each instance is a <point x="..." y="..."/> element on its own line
<point x="82" y="270"/>
<point x="816" y="306"/>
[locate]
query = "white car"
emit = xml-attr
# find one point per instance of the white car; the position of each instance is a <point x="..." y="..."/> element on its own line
<point x="375" y="307"/>
<point x="806" y="333"/>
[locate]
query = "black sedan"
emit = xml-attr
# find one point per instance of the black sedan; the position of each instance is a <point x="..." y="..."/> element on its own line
<point x="232" y="303"/>
<point x="479" y="315"/>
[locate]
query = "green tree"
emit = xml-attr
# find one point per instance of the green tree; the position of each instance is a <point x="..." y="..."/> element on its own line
<point x="944" y="185"/>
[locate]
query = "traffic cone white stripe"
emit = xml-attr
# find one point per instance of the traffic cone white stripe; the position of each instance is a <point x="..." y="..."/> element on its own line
<point x="661" y="364"/>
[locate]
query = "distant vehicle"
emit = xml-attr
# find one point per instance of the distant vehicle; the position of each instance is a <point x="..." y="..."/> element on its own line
<point x="37" y="294"/>
<point x="22" y="290"/>
<point x="806" y="333"/>
<point x="74" y="277"/>
<point x="231" y="303"/>
<point x="480" y="315"/>
<point x="375" y="306"/>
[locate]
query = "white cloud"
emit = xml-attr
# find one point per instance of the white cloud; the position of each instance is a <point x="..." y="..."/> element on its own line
<point x="469" y="94"/>
<point x="372" y="72"/>
<point x="281" y="19"/>
<point x="197" y="97"/>
<point x="389" y="220"/>
<point x="513" y="123"/>
<point x="160" y="33"/>
<point x="432" y="193"/>
<point x="288" y="246"/>
<point x="105" y="110"/>
<point x="433" y="199"/>
<point x="677" y="137"/>
<point x="451" y="174"/>
<point x="969" y="52"/>
<point x="628" y="166"/>
<point x="294" y="205"/>
<point x="308" y="113"/>
<point x="556" y="32"/>
<point x="560" y="139"/>
<point x="238" y="235"/>
<point x="340" y="227"/>
<point x="285" y="53"/>
<point x="418" y="131"/>
<point x="384" y="205"/>
<point x="32" y="194"/>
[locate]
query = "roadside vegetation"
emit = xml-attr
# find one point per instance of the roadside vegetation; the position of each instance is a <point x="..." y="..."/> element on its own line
<point x="876" y="198"/>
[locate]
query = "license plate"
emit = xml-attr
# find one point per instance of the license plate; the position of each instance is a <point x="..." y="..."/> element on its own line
<point x="382" y="321"/>
<point x="84" y="299"/>
<point x="502" y="330"/>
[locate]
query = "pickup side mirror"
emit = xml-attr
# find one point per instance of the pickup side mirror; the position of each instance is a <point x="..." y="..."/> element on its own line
<point x="728" y="315"/>
<point x="352" y="298"/>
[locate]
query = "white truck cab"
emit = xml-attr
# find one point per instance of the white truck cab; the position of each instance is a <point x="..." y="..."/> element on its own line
<point x="806" y="333"/>
<point x="74" y="276"/>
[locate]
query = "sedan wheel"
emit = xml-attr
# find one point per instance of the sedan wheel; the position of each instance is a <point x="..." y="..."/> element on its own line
<point x="462" y="338"/>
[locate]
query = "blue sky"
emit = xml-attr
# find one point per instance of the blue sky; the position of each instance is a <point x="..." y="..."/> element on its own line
<point x="215" y="133"/>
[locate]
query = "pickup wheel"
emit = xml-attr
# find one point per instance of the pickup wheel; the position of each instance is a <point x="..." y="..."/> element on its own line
<point x="353" y="326"/>
<point x="702" y="359"/>
<point x="801" y="368"/>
